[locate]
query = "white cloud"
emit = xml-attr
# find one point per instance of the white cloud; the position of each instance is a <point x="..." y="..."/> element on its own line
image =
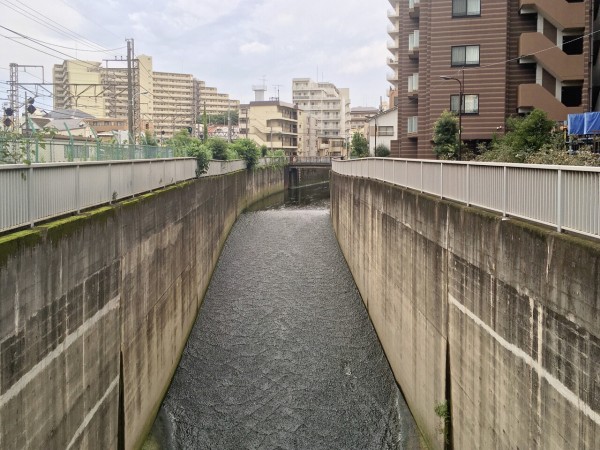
<point x="254" y="48"/>
<point x="212" y="39"/>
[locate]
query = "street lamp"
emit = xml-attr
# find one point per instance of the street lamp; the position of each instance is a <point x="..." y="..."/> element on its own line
<point x="460" y="105"/>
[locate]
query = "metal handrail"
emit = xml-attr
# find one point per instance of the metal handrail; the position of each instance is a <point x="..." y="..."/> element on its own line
<point x="564" y="197"/>
<point x="32" y="193"/>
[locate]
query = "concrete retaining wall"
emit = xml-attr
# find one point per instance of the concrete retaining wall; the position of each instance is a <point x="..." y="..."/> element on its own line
<point x="500" y="317"/>
<point x="101" y="304"/>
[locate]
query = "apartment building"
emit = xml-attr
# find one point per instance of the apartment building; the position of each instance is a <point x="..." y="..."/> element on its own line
<point x="163" y="102"/>
<point x="216" y="102"/>
<point x="359" y="118"/>
<point x="273" y="124"/>
<point x="78" y="85"/>
<point x="506" y="57"/>
<point x="329" y="105"/>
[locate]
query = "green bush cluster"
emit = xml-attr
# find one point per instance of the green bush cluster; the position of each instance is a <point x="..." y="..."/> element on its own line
<point x="184" y="144"/>
<point x="530" y="139"/>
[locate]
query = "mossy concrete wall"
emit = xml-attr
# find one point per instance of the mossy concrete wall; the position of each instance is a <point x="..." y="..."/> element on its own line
<point x="95" y="311"/>
<point x="500" y="317"/>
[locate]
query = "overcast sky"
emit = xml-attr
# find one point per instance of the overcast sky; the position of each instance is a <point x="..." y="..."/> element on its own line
<point x="230" y="44"/>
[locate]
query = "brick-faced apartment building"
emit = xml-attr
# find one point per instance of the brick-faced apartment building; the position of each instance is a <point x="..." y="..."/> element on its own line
<point x="510" y="56"/>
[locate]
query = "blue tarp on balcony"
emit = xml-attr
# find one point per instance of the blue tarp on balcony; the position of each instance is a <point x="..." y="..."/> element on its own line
<point x="584" y="124"/>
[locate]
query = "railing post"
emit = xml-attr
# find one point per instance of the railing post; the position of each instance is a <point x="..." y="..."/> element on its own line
<point x="468" y="193"/>
<point x="29" y="197"/>
<point x="505" y="191"/>
<point x="110" y="191"/>
<point x="441" y="180"/>
<point x="164" y="172"/>
<point x="559" y="201"/>
<point x="421" y="177"/>
<point x="78" y="188"/>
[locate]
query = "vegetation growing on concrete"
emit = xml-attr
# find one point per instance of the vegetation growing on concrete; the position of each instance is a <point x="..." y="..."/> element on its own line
<point x="12" y="242"/>
<point x="442" y="410"/>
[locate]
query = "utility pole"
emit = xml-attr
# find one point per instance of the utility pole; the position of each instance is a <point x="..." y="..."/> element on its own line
<point x="130" y="105"/>
<point x="14" y="93"/>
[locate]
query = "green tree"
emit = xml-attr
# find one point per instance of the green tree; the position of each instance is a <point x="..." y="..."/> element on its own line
<point x="247" y="150"/>
<point x="196" y="149"/>
<point x="17" y="149"/>
<point x="382" y="151"/>
<point x="149" y="139"/>
<point x="360" y="146"/>
<point x="445" y="136"/>
<point x="218" y="148"/>
<point x="525" y="137"/>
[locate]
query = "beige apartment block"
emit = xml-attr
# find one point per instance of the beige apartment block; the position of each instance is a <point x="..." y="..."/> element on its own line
<point x="307" y="134"/>
<point x="78" y="85"/>
<point x="273" y="124"/>
<point x="329" y="105"/>
<point x="359" y="119"/>
<point x="216" y="102"/>
<point x="163" y="102"/>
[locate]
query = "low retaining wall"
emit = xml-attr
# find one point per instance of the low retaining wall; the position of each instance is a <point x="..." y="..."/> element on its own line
<point x="499" y="318"/>
<point x="96" y="309"/>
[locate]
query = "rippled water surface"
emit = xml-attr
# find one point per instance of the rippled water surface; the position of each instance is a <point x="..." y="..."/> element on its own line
<point x="283" y="354"/>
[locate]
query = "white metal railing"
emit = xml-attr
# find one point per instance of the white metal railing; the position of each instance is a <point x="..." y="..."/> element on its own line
<point x="564" y="197"/>
<point x="33" y="193"/>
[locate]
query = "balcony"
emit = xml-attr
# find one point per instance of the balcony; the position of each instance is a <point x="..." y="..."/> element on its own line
<point x="414" y="8"/>
<point x="537" y="47"/>
<point x="392" y="77"/>
<point x="394" y="2"/>
<point x="535" y="96"/>
<point x="413" y="44"/>
<point x="392" y="46"/>
<point x="413" y="85"/>
<point x="393" y="14"/>
<point x="560" y="13"/>
<point x="392" y="63"/>
<point x="393" y="31"/>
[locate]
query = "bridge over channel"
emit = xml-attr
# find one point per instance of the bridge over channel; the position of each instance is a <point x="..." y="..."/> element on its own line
<point x="481" y="280"/>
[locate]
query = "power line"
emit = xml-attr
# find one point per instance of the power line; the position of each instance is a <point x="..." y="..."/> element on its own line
<point x="47" y="22"/>
<point x="89" y="20"/>
<point x="73" y="48"/>
<point x="34" y="41"/>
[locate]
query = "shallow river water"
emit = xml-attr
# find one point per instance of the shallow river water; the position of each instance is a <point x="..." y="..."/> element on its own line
<point x="283" y="354"/>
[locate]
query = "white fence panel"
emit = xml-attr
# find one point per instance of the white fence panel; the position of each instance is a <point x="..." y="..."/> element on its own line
<point x="455" y="181"/>
<point x="532" y="194"/>
<point x="486" y="187"/>
<point x="13" y="193"/>
<point x="566" y="197"/>
<point x="581" y="201"/>
<point x="432" y="178"/>
<point x="93" y="185"/>
<point x="53" y="191"/>
<point x="413" y="175"/>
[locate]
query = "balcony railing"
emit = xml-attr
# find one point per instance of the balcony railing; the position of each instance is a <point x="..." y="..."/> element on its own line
<point x="564" y="197"/>
<point x="562" y="14"/>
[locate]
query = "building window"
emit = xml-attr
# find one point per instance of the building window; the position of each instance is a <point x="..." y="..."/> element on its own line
<point x="385" y="131"/>
<point x="470" y="104"/>
<point x="465" y="55"/>
<point x="462" y="8"/>
<point x="413" y="124"/>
